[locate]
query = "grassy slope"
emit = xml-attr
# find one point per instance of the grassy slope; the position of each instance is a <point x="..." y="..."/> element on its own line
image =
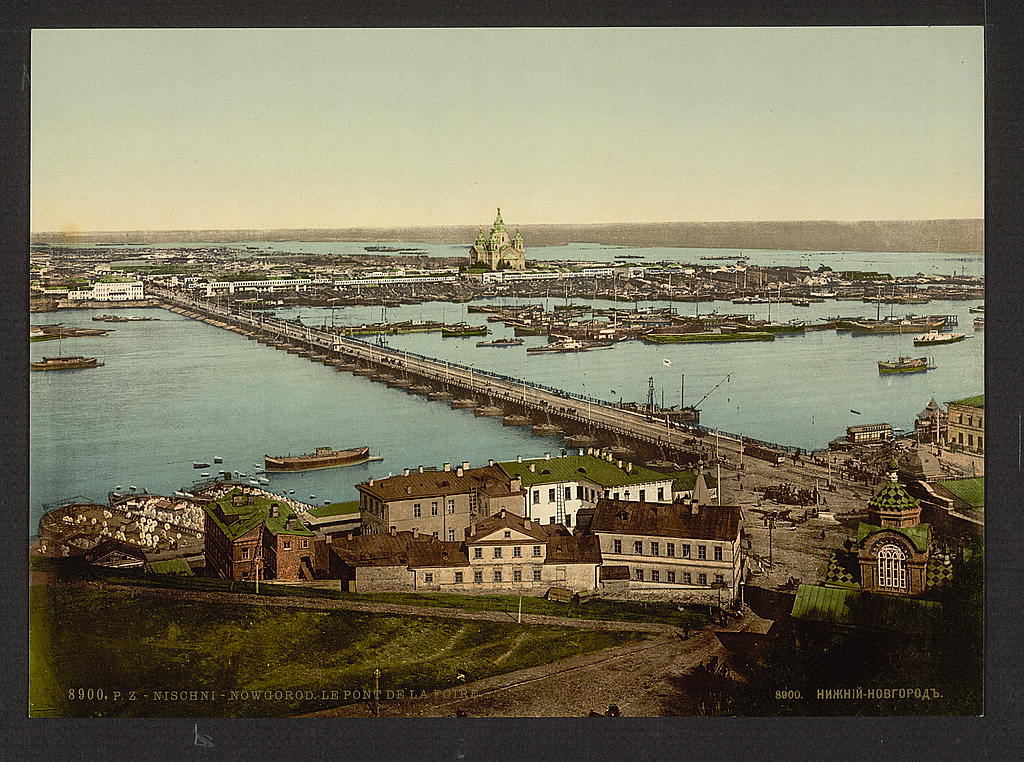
<point x="116" y="641"/>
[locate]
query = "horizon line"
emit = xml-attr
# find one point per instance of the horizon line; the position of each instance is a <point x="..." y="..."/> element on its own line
<point x="522" y="224"/>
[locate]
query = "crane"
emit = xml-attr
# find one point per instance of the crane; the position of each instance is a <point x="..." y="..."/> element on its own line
<point x="724" y="380"/>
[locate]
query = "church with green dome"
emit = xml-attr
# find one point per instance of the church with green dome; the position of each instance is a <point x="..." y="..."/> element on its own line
<point x="498" y="251"/>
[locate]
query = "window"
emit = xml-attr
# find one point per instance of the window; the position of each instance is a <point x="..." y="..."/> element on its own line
<point x="970" y="420"/>
<point x="417" y="511"/>
<point x="536" y="496"/>
<point x="643" y="495"/>
<point x="638" y="548"/>
<point x="551" y="519"/>
<point x="305" y="543"/>
<point x="615" y="496"/>
<point x="616" y="546"/>
<point x="433" y="508"/>
<point x="719" y="578"/>
<point x="536" y="575"/>
<point x="517" y="575"/>
<point x="960" y="437"/>
<point x="671" y="577"/>
<point x="551" y="495"/>
<point x="497" y="575"/>
<point x="497" y="552"/>
<point x="536" y="551"/>
<point x="640" y="575"/>
<point x="627" y="494"/>
<point x="580" y="492"/>
<point x="670" y="549"/>
<point x="451" y="506"/>
<point x="655" y="550"/>
<point x="661" y="493"/>
<point x="655" y="576"/>
<point x="718" y="552"/>
<point x="434" y="535"/>
<point x="702" y="579"/>
<point x="517" y="552"/>
<point x="245" y="554"/>
<point x="287" y="544"/>
<point x="568" y="519"/>
<point x="428" y="577"/>
<point x="568" y="493"/>
<point x="686" y="550"/>
<point x="458" y="578"/>
<point x="507" y="534"/>
<point x="892" y="567"/>
<point x="687" y="578"/>
<point x="451" y="535"/>
<point x="970" y="440"/>
<point x="478" y="552"/>
<point x="478" y="576"/>
<point x="702" y="552"/>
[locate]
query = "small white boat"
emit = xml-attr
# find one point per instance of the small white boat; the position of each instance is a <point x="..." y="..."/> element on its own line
<point x="263" y="480"/>
<point x="132" y="487"/>
<point x="205" y="475"/>
<point x="118" y="488"/>
<point x="312" y="497"/>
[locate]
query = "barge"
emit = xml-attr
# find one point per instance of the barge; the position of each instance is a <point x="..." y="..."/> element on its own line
<point x="322" y="457"/>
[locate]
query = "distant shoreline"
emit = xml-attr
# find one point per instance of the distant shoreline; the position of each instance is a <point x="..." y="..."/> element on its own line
<point x="954" y="236"/>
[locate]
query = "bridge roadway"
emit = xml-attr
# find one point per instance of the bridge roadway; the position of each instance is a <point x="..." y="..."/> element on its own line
<point x="587" y="412"/>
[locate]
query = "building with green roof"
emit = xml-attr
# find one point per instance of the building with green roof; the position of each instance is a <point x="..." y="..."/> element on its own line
<point x="557" y="488"/>
<point x="253" y="535"/>
<point x="498" y="251"/>
<point x="965" y="425"/>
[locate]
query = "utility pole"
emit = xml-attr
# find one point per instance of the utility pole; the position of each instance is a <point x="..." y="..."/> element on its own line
<point x="520" y="608"/>
<point x="682" y="380"/>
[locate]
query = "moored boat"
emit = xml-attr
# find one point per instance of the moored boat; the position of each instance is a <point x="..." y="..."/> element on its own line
<point x="453" y="331"/>
<point x="934" y="337"/>
<point x="904" y="365"/>
<point x="500" y="343"/>
<point x="323" y="457"/>
<point x="569" y="345"/>
<point x="65" y="363"/>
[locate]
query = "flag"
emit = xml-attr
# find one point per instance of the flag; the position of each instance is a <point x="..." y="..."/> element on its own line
<point x="667" y="362"/>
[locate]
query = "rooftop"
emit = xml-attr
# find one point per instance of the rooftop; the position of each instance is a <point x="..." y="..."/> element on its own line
<point x="577" y="549"/>
<point x="236" y="520"/>
<point x="711" y="522"/>
<point x="378" y="549"/>
<point x="576" y="467"/>
<point x="846" y="606"/>
<point x="977" y="401"/>
<point x="508" y="520"/>
<point x="970" y="491"/>
<point x="489" y="479"/>
<point x="918" y="535"/>
<point x="335" y="509"/>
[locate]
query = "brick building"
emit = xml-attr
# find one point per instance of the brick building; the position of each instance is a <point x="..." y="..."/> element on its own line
<point x="248" y="534"/>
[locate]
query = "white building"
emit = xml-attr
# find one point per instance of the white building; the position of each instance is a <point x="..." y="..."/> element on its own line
<point x="109" y="292"/>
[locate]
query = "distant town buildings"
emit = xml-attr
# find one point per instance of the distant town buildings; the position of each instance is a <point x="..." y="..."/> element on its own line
<point x="498" y="251"/>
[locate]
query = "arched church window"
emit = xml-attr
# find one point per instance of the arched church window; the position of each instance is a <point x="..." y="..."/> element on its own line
<point x="892" y="567"/>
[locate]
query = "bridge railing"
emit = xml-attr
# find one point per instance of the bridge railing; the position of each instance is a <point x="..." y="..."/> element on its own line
<point x="328" y="341"/>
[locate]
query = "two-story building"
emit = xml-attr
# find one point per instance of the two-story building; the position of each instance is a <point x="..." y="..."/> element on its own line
<point x="682" y="547"/>
<point x="965" y="425"/>
<point x="248" y="535"/>
<point x="556" y="489"/>
<point x="441" y="504"/>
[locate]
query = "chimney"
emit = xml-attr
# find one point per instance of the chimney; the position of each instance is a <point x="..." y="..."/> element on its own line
<point x="618" y="463"/>
<point x="421" y="469"/>
<point x="371" y="482"/>
<point x="273" y="510"/>
<point x="490" y="461"/>
<point x="405" y="472"/>
<point x="465" y="465"/>
<point x="608" y="457"/>
<point x="446" y="467"/>
<point x="519" y="458"/>
<point x="408" y="490"/>
<point x="459" y="471"/>
<point x="589" y="452"/>
<point x="502" y="513"/>
<point x="533" y="467"/>
<point x="547" y="456"/>
<point x="415" y="533"/>
<point x="515" y="484"/>
<point x="348" y="535"/>
<point x="694" y="507"/>
<point x="629" y="467"/>
<point x="472" y="529"/>
<point x="527" y="523"/>
<point x="393" y="531"/>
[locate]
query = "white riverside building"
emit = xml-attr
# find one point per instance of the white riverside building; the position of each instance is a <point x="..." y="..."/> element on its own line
<point x="109" y="292"/>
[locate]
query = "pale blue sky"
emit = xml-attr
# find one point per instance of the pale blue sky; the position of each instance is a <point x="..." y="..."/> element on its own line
<point x="168" y="129"/>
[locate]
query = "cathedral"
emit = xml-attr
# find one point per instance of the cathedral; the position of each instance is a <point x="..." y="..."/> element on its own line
<point x="498" y="251"/>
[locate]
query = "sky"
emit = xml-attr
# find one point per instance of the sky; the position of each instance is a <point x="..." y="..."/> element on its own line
<point x="328" y="128"/>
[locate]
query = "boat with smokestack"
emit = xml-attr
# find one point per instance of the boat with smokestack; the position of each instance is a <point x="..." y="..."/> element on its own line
<point x="322" y="457"/>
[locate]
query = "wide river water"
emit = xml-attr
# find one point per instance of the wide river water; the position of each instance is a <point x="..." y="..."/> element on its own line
<point x="177" y="390"/>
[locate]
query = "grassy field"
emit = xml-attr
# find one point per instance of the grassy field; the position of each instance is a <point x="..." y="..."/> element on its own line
<point x="694" y="617"/>
<point x="137" y="649"/>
